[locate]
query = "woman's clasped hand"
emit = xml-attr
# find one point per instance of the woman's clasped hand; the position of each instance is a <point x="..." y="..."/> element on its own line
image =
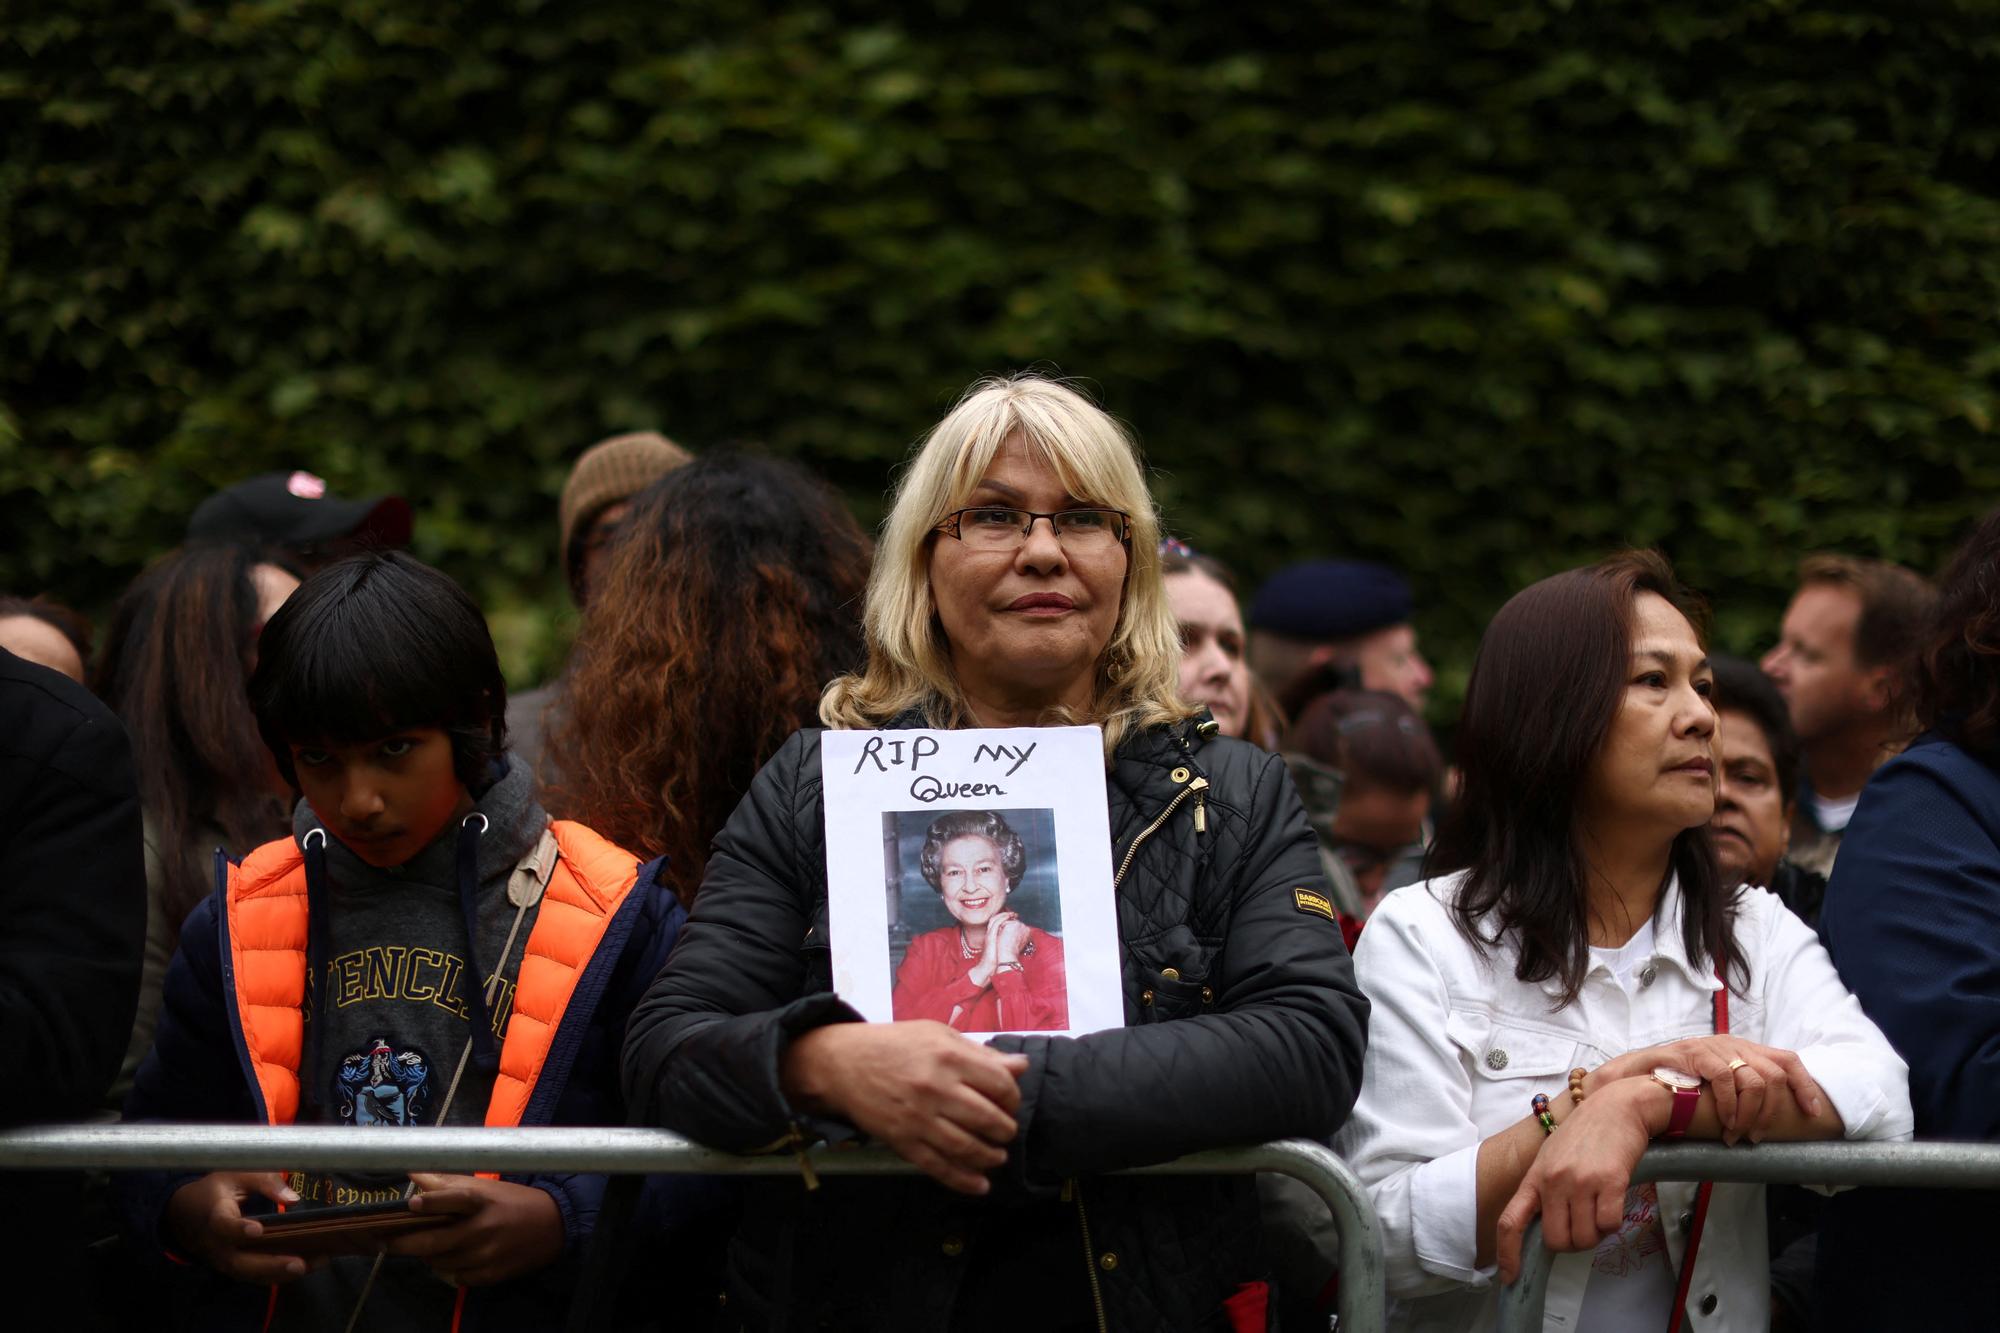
<point x="1746" y="1080"/>
<point x="1579" y="1177"/>
<point x="943" y="1103"/>
<point x="1581" y="1174"/>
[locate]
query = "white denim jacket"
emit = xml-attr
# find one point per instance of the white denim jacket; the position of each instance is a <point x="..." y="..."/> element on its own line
<point x="1457" y="1047"/>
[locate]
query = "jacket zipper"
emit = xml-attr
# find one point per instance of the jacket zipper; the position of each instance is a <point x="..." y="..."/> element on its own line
<point x="805" y="1161"/>
<point x="1073" y="1192"/>
<point x="1073" y="1189"/>
<point x="1197" y="789"/>
<point x="793" y="1139"/>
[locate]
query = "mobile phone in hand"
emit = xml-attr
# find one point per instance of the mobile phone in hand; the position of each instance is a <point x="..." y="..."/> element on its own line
<point x="359" y="1228"/>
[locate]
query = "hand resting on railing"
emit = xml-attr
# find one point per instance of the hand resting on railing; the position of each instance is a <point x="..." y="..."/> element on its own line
<point x="1578" y="1179"/>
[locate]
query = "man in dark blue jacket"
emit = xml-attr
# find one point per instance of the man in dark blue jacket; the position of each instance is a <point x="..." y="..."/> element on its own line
<point x="1912" y="919"/>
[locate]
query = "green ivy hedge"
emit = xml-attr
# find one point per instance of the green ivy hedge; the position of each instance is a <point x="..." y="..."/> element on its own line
<point x="1482" y="287"/>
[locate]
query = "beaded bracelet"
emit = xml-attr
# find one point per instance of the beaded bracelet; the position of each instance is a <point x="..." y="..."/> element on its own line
<point x="1576" y="1077"/>
<point x="1541" y="1105"/>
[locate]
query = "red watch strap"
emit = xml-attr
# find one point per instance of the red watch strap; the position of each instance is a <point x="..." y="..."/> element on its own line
<point x="1685" y="1100"/>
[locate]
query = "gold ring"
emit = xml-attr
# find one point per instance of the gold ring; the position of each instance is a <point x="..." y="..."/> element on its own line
<point x="1735" y="1065"/>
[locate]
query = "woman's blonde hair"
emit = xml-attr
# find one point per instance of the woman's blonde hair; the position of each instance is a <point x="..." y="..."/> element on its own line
<point x="909" y="661"/>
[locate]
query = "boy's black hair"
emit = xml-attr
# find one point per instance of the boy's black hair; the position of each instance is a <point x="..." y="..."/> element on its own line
<point x="374" y="644"/>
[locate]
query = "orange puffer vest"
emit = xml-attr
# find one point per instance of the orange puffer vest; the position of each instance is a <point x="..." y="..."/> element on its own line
<point x="266" y="904"/>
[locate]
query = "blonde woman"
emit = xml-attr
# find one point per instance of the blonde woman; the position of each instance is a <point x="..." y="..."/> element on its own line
<point x="1017" y="584"/>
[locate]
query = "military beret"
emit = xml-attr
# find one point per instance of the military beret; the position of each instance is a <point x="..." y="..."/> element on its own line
<point x="1331" y="599"/>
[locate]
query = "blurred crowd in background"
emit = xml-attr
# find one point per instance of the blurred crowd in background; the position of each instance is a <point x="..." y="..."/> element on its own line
<point x="1412" y="308"/>
<point x="1321" y="662"/>
<point x="720" y="590"/>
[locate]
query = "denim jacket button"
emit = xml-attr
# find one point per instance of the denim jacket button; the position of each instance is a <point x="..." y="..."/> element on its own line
<point x="1648" y="974"/>
<point x="1496" y="1059"/>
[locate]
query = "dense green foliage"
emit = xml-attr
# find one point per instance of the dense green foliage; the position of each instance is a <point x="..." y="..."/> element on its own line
<point x="1483" y="287"/>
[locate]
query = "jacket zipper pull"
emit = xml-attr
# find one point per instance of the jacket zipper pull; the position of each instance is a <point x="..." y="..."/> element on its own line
<point x="805" y="1162"/>
<point x="1200" y="789"/>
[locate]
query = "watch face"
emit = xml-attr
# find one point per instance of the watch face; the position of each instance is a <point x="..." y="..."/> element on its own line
<point x="1675" y="1078"/>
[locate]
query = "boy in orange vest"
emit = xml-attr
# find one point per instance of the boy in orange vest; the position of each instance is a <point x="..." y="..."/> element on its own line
<point x="427" y="949"/>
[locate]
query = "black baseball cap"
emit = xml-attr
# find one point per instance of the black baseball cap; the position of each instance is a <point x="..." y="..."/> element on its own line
<point x="294" y="509"/>
<point x="1318" y="600"/>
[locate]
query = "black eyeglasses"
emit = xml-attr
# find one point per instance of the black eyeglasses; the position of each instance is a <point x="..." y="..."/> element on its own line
<point x="989" y="528"/>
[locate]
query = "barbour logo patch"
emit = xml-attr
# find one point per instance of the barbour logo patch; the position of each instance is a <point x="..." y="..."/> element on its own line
<point x="1316" y="903"/>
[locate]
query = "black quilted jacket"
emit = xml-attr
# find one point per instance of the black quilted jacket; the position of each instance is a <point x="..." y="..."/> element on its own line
<point x="1243" y="1025"/>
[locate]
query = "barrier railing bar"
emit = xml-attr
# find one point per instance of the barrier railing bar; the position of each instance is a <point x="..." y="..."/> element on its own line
<point x="644" y="1151"/>
<point x="1970" y="1166"/>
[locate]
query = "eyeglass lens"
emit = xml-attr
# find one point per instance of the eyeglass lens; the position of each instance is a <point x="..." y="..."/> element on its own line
<point x="1007" y="528"/>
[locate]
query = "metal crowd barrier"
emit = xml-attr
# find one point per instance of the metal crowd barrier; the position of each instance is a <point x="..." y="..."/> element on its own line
<point x="1909" y="1165"/>
<point x="643" y="1152"/>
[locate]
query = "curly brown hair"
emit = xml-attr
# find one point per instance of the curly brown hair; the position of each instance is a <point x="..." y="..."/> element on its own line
<point x="1958" y="659"/>
<point x="728" y="600"/>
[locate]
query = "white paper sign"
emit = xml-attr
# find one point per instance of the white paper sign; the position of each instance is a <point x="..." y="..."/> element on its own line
<point x="969" y="878"/>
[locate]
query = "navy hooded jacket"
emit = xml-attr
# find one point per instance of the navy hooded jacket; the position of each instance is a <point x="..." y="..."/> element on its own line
<point x="1912" y="920"/>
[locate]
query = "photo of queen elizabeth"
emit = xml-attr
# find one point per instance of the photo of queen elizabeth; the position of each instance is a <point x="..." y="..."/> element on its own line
<point x="988" y="971"/>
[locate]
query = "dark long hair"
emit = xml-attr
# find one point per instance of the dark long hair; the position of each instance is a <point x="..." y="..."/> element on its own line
<point x="176" y="659"/>
<point x="729" y="598"/>
<point x="1958" y="662"/>
<point x="377" y="643"/>
<point x="1548" y="681"/>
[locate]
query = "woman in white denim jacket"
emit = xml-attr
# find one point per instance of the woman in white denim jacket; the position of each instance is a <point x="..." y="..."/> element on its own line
<point x="1580" y="931"/>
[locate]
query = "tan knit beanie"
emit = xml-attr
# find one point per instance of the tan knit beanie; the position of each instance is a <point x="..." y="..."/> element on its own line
<point x="607" y="472"/>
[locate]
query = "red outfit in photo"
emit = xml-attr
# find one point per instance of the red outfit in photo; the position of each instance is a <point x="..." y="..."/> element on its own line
<point x="934" y="982"/>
